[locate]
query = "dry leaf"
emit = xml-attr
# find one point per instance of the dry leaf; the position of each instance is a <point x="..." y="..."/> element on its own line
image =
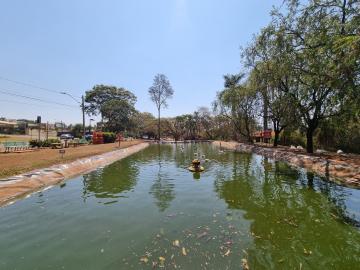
<point x="183" y="251"/>
<point x="244" y="264"/>
<point x="144" y="259"/>
<point x="176" y="243"/>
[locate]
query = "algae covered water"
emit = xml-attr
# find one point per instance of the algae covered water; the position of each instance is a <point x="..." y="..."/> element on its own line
<point x="149" y="212"/>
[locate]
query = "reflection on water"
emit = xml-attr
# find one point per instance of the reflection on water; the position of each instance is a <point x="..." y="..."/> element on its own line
<point x="286" y="210"/>
<point x="149" y="206"/>
<point x="112" y="181"/>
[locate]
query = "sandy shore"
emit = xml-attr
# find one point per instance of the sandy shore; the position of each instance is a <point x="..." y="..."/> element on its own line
<point x="19" y="186"/>
<point x="344" y="168"/>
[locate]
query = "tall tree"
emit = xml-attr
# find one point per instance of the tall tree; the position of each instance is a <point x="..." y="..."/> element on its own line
<point x="240" y="104"/>
<point x="118" y="115"/>
<point x="160" y="92"/>
<point x="100" y="94"/>
<point x="319" y="89"/>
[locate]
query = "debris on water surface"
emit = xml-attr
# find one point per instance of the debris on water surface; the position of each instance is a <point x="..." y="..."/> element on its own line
<point x="183" y="251"/>
<point x="144" y="259"/>
<point x="307" y="252"/>
<point x="201" y="235"/>
<point x="244" y="264"/>
<point x="290" y="222"/>
<point x="176" y="243"/>
<point x="102" y="250"/>
<point x="161" y="261"/>
<point x="227" y="253"/>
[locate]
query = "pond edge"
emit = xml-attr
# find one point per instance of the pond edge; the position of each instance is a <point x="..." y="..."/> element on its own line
<point x="20" y="186"/>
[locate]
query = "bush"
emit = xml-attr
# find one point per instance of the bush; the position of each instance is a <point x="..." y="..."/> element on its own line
<point x="44" y="143"/>
<point x="109" y="137"/>
<point x="291" y="137"/>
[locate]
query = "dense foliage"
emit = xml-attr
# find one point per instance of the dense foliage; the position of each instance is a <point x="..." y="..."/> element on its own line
<point x="109" y="137"/>
<point x="305" y="68"/>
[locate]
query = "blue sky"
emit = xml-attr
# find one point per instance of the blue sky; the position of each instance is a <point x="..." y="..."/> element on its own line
<point x="72" y="45"/>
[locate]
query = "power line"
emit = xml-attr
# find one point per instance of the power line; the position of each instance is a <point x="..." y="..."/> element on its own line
<point x="32" y="85"/>
<point x="37" y="99"/>
<point x="31" y="104"/>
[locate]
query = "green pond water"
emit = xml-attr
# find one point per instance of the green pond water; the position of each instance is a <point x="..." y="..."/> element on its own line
<point x="149" y="212"/>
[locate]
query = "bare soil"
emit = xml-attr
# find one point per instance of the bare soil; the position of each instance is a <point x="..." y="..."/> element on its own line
<point x="17" y="163"/>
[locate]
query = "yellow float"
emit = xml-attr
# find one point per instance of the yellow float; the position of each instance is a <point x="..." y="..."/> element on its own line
<point x="195" y="166"/>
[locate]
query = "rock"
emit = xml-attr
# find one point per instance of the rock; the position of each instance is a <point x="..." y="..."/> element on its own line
<point x="292" y="147"/>
<point x="320" y="151"/>
<point x="339" y="151"/>
<point x="299" y="147"/>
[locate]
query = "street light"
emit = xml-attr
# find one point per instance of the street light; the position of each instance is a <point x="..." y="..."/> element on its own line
<point x="82" y="105"/>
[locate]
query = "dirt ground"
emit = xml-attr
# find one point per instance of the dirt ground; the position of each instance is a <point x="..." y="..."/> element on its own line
<point x="17" y="163"/>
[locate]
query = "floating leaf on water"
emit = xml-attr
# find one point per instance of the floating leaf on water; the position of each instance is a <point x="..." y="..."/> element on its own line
<point x="201" y="235"/>
<point x="176" y="243"/>
<point x="244" y="264"/>
<point x="144" y="259"/>
<point x="227" y="252"/>
<point x="307" y="252"/>
<point x="281" y="261"/>
<point x="162" y="261"/>
<point x="183" y="250"/>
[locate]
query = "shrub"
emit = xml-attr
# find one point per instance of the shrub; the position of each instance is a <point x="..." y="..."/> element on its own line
<point x="109" y="137"/>
<point x="291" y="137"/>
<point x="44" y="143"/>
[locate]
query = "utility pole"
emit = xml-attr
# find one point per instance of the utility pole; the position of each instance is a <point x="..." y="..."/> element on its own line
<point x="83" y="113"/>
<point x="82" y="105"/>
<point x="47" y="130"/>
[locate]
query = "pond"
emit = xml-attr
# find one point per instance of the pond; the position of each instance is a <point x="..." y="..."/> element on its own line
<point x="148" y="211"/>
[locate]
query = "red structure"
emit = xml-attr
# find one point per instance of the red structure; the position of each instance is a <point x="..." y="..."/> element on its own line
<point x="263" y="136"/>
<point x="98" y="137"/>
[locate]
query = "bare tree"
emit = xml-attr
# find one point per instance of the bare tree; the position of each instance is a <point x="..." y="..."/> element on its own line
<point x="160" y="92"/>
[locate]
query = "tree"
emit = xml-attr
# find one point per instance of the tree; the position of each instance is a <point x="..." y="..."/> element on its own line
<point x="100" y="94"/>
<point x="307" y="56"/>
<point x="77" y="130"/>
<point x="176" y="127"/>
<point x="145" y="124"/>
<point x="118" y="115"/>
<point x="239" y="102"/>
<point x="207" y="122"/>
<point x="160" y="92"/>
<point x="269" y="71"/>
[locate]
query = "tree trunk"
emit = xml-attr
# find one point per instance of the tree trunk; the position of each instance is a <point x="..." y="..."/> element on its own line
<point x="159" y="124"/>
<point x="276" y="139"/>
<point x="309" y="140"/>
<point x="265" y="108"/>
